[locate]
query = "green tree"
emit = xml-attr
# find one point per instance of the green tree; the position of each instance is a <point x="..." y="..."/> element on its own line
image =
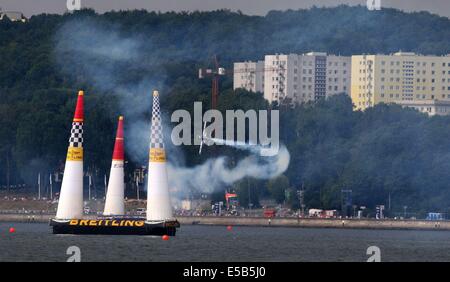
<point x="278" y="187"/>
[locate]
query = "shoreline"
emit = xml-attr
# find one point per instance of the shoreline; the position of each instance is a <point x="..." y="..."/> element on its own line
<point x="385" y="224"/>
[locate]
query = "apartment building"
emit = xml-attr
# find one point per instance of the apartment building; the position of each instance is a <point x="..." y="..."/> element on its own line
<point x="294" y="78"/>
<point x="306" y="77"/>
<point x="408" y="79"/>
<point x="249" y="76"/>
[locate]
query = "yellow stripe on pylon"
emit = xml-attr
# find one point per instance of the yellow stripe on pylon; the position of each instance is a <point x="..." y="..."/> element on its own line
<point x="157" y="155"/>
<point x="75" y="154"/>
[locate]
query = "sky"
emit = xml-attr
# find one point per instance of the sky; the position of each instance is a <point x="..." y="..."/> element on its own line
<point x="250" y="7"/>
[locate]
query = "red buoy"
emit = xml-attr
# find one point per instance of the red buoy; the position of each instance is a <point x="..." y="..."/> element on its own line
<point x="165" y="237"/>
<point x="229" y="227"/>
<point x="12" y="230"/>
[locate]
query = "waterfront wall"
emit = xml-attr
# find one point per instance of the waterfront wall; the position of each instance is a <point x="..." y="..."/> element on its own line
<point x="274" y="222"/>
<point x="319" y="223"/>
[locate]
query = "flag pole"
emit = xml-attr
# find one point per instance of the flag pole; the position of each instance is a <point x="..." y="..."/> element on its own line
<point x="51" y="187"/>
<point x="39" y="186"/>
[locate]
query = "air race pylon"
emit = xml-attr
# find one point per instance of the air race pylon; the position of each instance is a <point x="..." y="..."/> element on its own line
<point x="70" y="203"/>
<point x="114" y="204"/>
<point x="159" y="208"/>
<point x="159" y="219"/>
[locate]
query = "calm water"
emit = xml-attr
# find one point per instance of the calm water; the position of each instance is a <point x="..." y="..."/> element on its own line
<point x="34" y="242"/>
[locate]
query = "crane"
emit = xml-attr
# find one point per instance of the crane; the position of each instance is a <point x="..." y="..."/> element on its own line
<point x="215" y="75"/>
<point x="218" y="71"/>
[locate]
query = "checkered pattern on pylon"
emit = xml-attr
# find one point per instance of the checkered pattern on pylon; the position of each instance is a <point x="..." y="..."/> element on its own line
<point x="156" y="136"/>
<point x="76" y="135"/>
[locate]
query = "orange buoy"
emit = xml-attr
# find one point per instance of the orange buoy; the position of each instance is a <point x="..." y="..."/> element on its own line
<point x="165" y="237"/>
<point x="12" y="230"/>
<point x="229" y="227"/>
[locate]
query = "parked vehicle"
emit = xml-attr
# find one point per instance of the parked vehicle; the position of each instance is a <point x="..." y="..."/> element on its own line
<point x="141" y="211"/>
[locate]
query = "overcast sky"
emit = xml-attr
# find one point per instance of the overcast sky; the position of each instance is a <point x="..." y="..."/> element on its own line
<point x="251" y="7"/>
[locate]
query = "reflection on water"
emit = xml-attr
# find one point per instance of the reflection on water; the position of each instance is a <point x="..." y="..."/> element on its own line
<point x="34" y="242"/>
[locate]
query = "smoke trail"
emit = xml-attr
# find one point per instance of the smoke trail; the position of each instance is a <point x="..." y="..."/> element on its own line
<point x="215" y="174"/>
<point x="253" y="148"/>
<point x="99" y="55"/>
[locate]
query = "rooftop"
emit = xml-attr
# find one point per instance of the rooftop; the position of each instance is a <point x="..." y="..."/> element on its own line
<point x="12" y="15"/>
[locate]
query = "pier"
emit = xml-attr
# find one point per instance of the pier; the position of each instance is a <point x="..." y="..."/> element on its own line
<point x="272" y="222"/>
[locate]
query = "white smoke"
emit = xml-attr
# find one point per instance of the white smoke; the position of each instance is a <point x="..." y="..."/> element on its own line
<point x="215" y="174"/>
<point x="100" y="53"/>
<point x="104" y="55"/>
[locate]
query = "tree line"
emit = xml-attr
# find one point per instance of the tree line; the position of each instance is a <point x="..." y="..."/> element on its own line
<point x="384" y="152"/>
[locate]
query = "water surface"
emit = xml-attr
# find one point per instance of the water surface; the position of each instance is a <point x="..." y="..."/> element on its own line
<point x="34" y="242"/>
